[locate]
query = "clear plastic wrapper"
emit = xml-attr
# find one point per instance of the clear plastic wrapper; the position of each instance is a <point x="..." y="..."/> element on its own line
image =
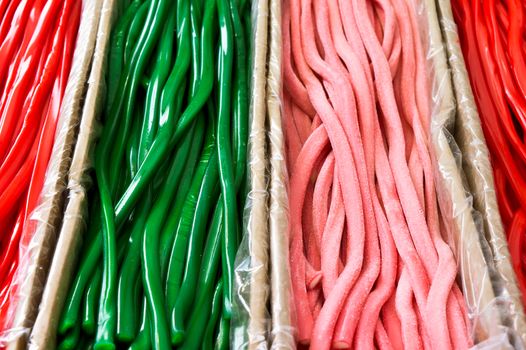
<point x="43" y="335"/>
<point x="250" y="321"/>
<point x="281" y="331"/>
<point x="264" y="315"/>
<point x="42" y="228"/>
<point x="477" y="166"/>
<point x="466" y="190"/>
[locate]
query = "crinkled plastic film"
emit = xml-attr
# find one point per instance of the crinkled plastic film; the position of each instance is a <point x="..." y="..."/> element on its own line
<point x="74" y="224"/>
<point x="477" y="166"/>
<point x="250" y="321"/>
<point x="38" y="239"/>
<point x="466" y="192"/>
<point x="262" y="268"/>
<point x="282" y="331"/>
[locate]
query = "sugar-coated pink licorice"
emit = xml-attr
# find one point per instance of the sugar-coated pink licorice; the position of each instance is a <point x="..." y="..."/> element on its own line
<point x="385" y="284"/>
<point x="369" y="265"/>
<point x="351" y="193"/>
<point x="293" y="143"/>
<point x="381" y="338"/>
<point x="440" y="292"/>
<point x="360" y="291"/>
<point x="407" y="314"/>
<point x="322" y="195"/>
<point x="311" y="241"/>
<point x="332" y="236"/>
<point x="391" y="323"/>
<point x="299" y="181"/>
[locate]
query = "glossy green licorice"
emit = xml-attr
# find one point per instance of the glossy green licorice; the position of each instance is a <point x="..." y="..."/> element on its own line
<point x="170" y="227"/>
<point x="158" y="78"/>
<point x="203" y="205"/>
<point x="193" y="264"/>
<point x="71" y="340"/>
<point x="202" y="328"/>
<point x="177" y="256"/>
<point x="226" y="168"/>
<point x="152" y="277"/>
<point x="240" y="96"/>
<point x="127" y="317"/>
<point x="223" y="336"/>
<point x="117" y="50"/>
<point x="168" y="217"/>
<point x="143" y="339"/>
<point x="155" y="14"/>
<point x="127" y="323"/>
<point x="239" y="144"/>
<point x="167" y="139"/>
<point x="195" y="235"/>
<point x="129" y="274"/>
<point x="134" y="30"/>
<point x="205" y="314"/>
<point x="115" y="70"/>
<point x="106" y="327"/>
<point x="89" y="316"/>
<point x="215" y="317"/>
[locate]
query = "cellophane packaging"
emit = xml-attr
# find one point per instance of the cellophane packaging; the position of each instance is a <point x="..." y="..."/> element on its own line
<point x="250" y="314"/>
<point x="43" y="335"/>
<point x="262" y="316"/>
<point x="281" y="321"/>
<point x="466" y="189"/>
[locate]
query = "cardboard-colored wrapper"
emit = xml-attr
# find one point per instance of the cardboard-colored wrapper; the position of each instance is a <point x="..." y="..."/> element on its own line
<point x="249" y="325"/>
<point x="281" y="325"/>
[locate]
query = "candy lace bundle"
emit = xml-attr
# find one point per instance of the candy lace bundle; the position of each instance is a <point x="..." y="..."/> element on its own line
<point x="156" y="270"/>
<point x="369" y="263"/>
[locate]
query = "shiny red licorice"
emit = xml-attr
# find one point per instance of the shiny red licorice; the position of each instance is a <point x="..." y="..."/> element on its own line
<point x="493" y="39"/>
<point x="37" y="40"/>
